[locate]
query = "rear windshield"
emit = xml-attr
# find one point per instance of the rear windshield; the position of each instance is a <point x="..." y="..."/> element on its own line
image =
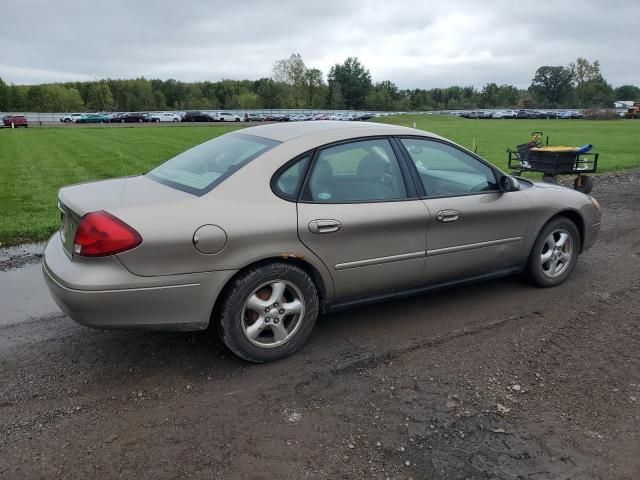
<point x="201" y="168"/>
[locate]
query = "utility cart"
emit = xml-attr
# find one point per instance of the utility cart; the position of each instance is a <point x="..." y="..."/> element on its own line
<point x="553" y="161"/>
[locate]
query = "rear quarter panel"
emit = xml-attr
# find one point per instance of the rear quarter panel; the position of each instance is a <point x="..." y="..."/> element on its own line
<point x="257" y="223"/>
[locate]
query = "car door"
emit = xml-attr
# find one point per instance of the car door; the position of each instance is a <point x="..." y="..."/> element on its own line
<point x="359" y="213"/>
<point x="474" y="228"/>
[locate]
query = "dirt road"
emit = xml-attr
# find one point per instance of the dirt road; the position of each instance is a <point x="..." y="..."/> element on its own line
<point x="499" y="380"/>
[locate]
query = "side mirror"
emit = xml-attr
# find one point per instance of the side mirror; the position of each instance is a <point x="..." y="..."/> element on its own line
<point x="509" y="183"/>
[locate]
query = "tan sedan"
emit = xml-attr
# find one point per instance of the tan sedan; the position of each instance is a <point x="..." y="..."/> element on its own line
<point x="258" y="231"/>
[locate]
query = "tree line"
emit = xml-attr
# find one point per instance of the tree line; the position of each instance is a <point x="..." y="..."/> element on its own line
<point x="293" y="84"/>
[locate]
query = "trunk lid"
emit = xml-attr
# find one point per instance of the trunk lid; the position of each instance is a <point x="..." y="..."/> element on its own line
<point x="75" y="201"/>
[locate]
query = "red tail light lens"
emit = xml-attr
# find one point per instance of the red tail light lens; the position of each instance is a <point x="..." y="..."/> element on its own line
<point x="100" y="234"/>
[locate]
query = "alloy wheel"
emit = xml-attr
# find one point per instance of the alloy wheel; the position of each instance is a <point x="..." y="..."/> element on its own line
<point x="272" y="313"/>
<point x="556" y="253"/>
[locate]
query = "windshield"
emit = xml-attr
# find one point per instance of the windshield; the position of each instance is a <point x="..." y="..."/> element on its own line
<point x="201" y="168"/>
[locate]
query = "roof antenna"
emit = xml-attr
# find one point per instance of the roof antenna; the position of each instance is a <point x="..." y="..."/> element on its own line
<point x="114" y="137"/>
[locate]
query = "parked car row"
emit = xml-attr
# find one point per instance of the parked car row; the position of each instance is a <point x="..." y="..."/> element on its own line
<point x="141" y="117"/>
<point x="302" y="117"/>
<point x="199" y="116"/>
<point x="520" y="114"/>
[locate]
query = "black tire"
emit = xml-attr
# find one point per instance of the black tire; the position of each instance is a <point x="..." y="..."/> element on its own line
<point x="583" y="183"/>
<point x="229" y="318"/>
<point x="534" y="271"/>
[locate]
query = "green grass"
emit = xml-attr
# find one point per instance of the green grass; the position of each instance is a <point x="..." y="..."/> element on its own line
<point x="35" y="163"/>
<point x="617" y="141"/>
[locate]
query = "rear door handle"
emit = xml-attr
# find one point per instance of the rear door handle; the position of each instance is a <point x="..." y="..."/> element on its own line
<point x="446" y="216"/>
<point x="324" y="226"/>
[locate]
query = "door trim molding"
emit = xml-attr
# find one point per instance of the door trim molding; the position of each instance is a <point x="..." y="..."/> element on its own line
<point x="331" y="306"/>
<point x="471" y="246"/>
<point x="380" y="260"/>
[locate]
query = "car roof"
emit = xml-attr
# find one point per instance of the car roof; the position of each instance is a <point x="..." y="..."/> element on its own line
<point x="283" y="132"/>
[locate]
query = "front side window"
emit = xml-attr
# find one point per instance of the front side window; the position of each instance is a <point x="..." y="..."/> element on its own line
<point x="360" y="171"/>
<point x="445" y="170"/>
<point x="201" y="168"/>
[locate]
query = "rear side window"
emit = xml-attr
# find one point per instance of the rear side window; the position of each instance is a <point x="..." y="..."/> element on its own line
<point x="287" y="183"/>
<point x="361" y="171"/>
<point x="201" y="168"/>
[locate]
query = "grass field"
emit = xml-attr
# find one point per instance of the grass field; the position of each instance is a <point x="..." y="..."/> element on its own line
<point x="617" y="141"/>
<point x="35" y="163"/>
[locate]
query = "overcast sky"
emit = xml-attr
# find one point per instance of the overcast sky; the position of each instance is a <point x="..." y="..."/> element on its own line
<point x="414" y="43"/>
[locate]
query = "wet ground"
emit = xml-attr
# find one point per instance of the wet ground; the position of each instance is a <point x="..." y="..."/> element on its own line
<point x="498" y="380"/>
<point x="23" y="292"/>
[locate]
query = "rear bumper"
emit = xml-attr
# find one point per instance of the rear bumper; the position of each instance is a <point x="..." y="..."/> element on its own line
<point x="102" y="293"/>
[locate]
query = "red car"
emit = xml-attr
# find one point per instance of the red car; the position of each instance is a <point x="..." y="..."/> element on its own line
<point x="17" y="120"/>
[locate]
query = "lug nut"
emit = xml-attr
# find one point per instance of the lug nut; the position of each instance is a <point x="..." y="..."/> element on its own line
<point x="281" y="311"/>
<point x="266" y="309"/>
<point x="275" y="304"/>
<point x="276" y="320"/>
<point x="267" y="319"/>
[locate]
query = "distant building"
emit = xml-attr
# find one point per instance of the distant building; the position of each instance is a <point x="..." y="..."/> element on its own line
<point x="623" y="104"/>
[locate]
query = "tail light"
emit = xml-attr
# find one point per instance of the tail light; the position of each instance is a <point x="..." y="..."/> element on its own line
<point x="100" y="234"/>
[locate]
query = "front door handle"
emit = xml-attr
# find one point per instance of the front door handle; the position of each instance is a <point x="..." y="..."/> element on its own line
<point x="446" y="216"/>
<point x="324" y="226"/>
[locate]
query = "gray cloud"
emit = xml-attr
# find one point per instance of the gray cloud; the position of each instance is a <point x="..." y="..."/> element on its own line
<point x="415" y="44"/>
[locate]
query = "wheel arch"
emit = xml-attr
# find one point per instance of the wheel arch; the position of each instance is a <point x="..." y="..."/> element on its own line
<point x="572" y="215"/>
<point x="307" y="267"/>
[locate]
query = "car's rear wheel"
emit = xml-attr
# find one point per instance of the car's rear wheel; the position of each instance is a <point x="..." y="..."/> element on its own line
<point x="268" y="312"/>
<point x="554" y="254"/>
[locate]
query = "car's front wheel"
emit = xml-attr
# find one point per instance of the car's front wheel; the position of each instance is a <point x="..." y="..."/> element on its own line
<point x="554" y="254"/>
<point x="268" y="312"/>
